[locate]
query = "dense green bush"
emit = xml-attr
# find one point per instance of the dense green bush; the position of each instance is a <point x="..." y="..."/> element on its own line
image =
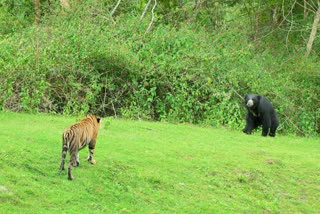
<point x="14" y="16"/>
<point x="81" y="62"/>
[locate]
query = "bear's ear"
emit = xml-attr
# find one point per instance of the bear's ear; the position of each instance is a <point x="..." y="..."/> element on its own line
<point x="245" y="97"/>
<point x="258" y="97"/>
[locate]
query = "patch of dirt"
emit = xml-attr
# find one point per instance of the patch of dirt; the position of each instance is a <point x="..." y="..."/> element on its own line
<point x="270" y="161"/>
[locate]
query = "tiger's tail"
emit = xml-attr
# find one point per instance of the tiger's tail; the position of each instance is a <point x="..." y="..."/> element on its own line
<point x="63" y="153"/>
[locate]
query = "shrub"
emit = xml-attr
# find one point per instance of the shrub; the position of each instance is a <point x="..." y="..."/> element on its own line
<point x="180" y="74"/>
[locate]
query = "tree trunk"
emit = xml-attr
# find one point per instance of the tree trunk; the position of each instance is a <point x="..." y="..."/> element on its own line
<point x="37" y="10"/>
<point x="145" y="10"/>
<point x="314" y="30"/>
<point x="304" y="9"/>
<point x="275" y="18"/>
<point x="258" y="21"/>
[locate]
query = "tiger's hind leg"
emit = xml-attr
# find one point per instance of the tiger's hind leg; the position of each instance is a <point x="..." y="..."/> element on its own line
<point x="77" y="161"/>
<point x="73" y="152"/>
<point x="92" y="146"/>
<point x="70" y="177"/>
<point x="72" y="163"/>
<point x="63" y="156"/>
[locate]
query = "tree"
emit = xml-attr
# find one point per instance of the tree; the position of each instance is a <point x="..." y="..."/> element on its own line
<point x="314" y="30"/>
<point x="37" y="10"/>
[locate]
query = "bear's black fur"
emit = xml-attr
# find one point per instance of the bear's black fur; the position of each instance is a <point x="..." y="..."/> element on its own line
<point x="260" y="112"/>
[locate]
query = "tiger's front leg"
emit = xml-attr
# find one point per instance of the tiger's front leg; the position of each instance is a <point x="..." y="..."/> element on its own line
<point x="92" y="146"/>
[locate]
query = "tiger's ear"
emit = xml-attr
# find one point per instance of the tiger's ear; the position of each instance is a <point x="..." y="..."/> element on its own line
<point x="98" y="119"/>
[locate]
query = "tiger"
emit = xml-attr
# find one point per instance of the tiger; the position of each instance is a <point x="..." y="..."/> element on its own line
<point x="77" y="137"/>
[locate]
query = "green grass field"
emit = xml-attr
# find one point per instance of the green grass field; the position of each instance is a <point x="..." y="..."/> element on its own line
<point x="149" y="167"/>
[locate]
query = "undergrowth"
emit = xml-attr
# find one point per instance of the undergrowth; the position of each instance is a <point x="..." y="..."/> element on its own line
<point x="184" y="74"/>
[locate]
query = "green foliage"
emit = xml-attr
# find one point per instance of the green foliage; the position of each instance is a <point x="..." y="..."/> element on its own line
<point x="147" y="167"/>
<point x="177" y="72"/>
<point x="14" y="15"/>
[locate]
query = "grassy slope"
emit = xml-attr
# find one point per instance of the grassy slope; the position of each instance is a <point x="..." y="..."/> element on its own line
<point x="145" y="167"/>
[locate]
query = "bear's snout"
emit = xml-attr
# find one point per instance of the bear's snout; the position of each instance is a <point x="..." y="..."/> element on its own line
<point x="250" y="103"/>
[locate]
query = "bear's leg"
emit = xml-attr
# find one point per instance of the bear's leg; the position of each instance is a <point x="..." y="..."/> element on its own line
<point x="250" y="125"/>
<point x="248" y="129"/>
<point x="273" y="129"/>
<point x="266" y="124"/>
<point x="272" y="132"/>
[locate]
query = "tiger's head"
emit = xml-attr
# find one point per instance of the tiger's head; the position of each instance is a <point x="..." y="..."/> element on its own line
<point x="96" y="120"/>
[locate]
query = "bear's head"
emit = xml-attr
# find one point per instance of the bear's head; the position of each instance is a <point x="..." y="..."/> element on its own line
<point x="251" y="100"/>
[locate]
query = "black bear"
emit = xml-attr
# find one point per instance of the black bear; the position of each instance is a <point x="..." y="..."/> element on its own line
<point x="260" y="112"/>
